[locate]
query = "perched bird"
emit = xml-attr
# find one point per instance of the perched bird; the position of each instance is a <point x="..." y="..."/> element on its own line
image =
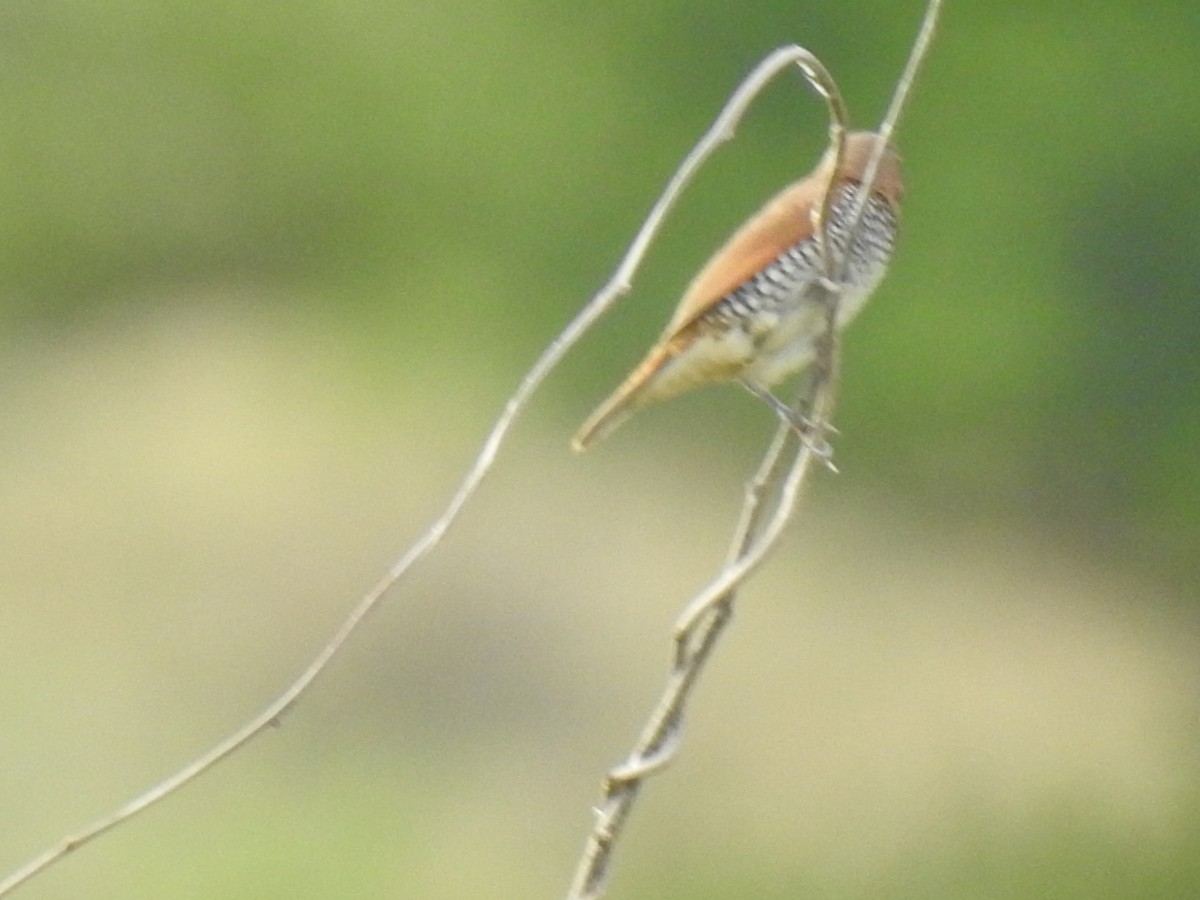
<point x="755" y="312"/>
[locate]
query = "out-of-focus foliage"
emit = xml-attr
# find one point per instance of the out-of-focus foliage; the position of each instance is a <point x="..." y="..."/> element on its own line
<point x="266" y="272"/>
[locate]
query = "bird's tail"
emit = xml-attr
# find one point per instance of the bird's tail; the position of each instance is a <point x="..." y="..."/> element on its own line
<point x="624" y="401"/>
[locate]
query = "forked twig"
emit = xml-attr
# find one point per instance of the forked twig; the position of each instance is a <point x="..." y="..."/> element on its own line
<point x="705" y="617"/>
<point x="721" y="131"/>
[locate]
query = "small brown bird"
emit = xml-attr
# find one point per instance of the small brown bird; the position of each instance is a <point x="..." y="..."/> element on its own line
<point x="755" y="311"/>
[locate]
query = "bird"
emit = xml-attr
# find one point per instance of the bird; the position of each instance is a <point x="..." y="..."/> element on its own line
<point x="757" y="310"/>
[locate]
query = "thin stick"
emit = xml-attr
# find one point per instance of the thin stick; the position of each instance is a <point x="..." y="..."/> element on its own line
<point x="722" y="130"/>
<point x="704" y="619"/>
<point x="822" y="82"/>
<point x="696" y="637"/>
<point x="699" y="628"/>
<point x="916" y="56"/>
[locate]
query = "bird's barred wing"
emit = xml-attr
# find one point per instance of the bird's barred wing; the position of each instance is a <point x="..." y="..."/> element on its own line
<point x="783" y="222"/>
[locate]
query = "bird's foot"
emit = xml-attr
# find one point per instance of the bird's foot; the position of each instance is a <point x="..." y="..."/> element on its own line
<point x="806" y="427"/>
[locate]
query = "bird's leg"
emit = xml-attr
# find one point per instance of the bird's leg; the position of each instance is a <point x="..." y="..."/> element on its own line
<point x="800" y="423"/>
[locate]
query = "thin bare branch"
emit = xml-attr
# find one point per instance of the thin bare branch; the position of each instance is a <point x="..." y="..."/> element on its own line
<point x="822" y="82"/>
<point x="722" y="130"/>
<point x="916" y="57"/>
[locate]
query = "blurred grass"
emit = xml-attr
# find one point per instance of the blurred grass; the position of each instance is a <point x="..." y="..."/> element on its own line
<point x="269" y="272"/>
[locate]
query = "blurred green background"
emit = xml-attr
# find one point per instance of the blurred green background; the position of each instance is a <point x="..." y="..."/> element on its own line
<point x="270" y="270"/>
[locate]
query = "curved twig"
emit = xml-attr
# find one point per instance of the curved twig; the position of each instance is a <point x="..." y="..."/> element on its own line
<point x="721" y="131"/>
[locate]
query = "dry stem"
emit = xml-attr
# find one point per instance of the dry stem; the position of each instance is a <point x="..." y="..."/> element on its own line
<point x="722" y="130"/>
